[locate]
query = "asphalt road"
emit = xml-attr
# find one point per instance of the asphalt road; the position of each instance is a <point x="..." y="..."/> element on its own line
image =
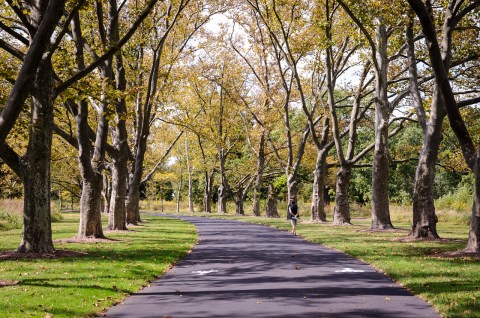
<point x="247" y="270"/>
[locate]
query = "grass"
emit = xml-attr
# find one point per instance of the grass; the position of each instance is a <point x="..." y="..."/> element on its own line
<point x="451" y="285"/>
<point x="79" y="287"/>
<point x="84" y="286"/>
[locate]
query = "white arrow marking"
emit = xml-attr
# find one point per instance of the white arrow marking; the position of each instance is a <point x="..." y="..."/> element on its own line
<point x="350" y="270"/>
<point x="201" y="273"/>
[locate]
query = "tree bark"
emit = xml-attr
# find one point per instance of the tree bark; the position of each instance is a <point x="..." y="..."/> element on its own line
<point x="341" y="211"/>
<point x="207" y="193"/>
<point x="106" y="193"/>
<point x="117" y="217"/>
<point x="271" y="210"/>
<point x="37" y="228"/>
<point x="424" y="217"/>
<point x="381" y="162"/>
<point x="222" y="200"/>
<point x="190" y="179"/>
<point x="318" y="193"/>
<point x="179" y="189"/>
<point x="239" y="210"/>
<point x="90" y="206"/>
<point x="117" y="214"/>
<point x="259" y="177"/>
<point x="473" y="245"/>
<point x="133" y="195"/>
<point x="90" y="202"/>
<point x="90" y="160"/>
<point x="292" y="187"/>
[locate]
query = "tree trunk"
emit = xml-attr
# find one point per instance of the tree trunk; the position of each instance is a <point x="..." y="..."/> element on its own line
<point x="179" y="189"/>
<point x="117" y="214"/>
<point x="318" y="193"/>
<point x="222" y="200"/>
<point x="473" y="245"/>
<point x="90" y="207"/>
<point x="239" y="210"/>
<point x="117" y="217"/>
<point x="207" y="193"/>
<point x="424" y="217"/>
<point x="133" y="204"/>
<point x="259" y="177"/>
<point x="133" y="195"/>
<point x="256" y="200"/>
<point x="341" y="211"/>
<point x="381" y="162"/>
<point x="141" y="135"/>
<point x="271" y="210"/>
<point x="106" y="193"/>
<point x="190" y="179"/>
<point x="90" y="202"/>
<point x="37" y="228"/>
<point x="292" y="187"/>
<point x="380" y="203"/>
<point x="161" y="198"/>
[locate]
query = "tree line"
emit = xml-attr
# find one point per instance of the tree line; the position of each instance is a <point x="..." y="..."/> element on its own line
<point x="248" y="103"/>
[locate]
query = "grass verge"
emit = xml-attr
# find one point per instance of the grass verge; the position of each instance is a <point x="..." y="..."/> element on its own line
<point x="451" y="285"/>
<point x="85" y="286"/>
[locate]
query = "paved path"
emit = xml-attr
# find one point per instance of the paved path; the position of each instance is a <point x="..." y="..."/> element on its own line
<point x="247" y="271"/>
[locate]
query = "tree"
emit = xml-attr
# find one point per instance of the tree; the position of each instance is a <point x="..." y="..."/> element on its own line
<point x="280" y="26"/>
<point x="173" y="39"/>
<point x="37" y="78"/>
<point x="378" y="27"/>
<point x="457" y="11"/>
<point x="424" y="218"/>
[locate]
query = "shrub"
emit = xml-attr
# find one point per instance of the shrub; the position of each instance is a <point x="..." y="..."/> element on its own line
<point x="55" y="214"/>
<point x="459" y="200"/>
<point x="11" y="214"/>
<point x="9" y="221"/>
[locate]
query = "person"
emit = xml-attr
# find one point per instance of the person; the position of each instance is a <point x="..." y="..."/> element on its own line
<point x="293" y="215"/>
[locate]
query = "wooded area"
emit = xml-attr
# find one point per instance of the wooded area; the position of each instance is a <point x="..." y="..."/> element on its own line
<point x="111" y="102"/>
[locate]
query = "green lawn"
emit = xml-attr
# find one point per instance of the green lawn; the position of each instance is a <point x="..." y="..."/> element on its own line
<point x="78" y="287"/>
<point x="451" y="285"/>
<point x="83" y="286"/>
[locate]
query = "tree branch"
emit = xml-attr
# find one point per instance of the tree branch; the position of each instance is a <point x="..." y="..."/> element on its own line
<point x="81" y="74"/>
<point x="162" y="159"/>
<point x="27" y="73"/>
<point x="12" y="159"/>
<point x="16" y="35"/>
<point x="12" y="50"/>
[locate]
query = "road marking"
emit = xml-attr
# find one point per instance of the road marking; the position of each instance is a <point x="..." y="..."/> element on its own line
<point x="202" y="273"/>
<point x="350" y="270"/>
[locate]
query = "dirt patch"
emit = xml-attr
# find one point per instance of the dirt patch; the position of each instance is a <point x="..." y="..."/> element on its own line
<point x="315" y="222"/>
<point x="5" y="283"/>
<point x="86" y="240"/>
<point x="395" y="230"/>
<point x="14" y="255"/>
<point x="458" y="254"/>
<point x="409" y="239"/>
<point x="120" y="231"/>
